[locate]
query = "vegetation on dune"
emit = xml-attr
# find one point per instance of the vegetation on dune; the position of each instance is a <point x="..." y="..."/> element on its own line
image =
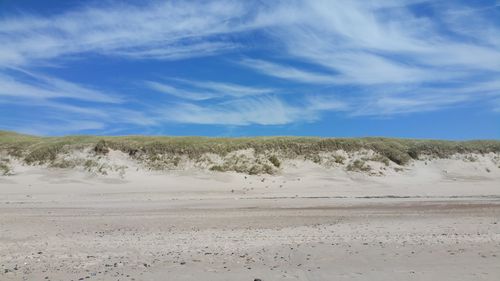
<point x="4" y="168"/>
<point x="161" y="152"/>
<point x="358" y="166"/>
<point x="101" y="147"/>
<point x="378" y="158"/>
<point x="275" y="161"/>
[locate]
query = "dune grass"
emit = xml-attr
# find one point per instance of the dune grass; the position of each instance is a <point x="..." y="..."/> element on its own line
<point x="38" y="150"/>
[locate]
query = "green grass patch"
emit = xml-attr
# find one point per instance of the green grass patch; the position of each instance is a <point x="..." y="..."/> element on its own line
<point x="358" y="166"/>
<point x="4" y="169"/>
<point x="275" y="161"/>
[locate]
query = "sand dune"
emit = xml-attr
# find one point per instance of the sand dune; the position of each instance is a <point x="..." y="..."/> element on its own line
<point x="434" y="221"/>
<point x="430" y="219"/>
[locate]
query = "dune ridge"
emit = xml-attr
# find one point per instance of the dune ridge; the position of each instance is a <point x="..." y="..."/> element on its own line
<point x="101" y="155"/>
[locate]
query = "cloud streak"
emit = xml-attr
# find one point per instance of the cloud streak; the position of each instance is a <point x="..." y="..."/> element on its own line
<point x="288" y="72"/>
<point x="205" y="90"/>
<point x="385" y="48"/>
<point x="24" y="84"/>
<point x="251" y="111"/>
<point x="166" y="30"/>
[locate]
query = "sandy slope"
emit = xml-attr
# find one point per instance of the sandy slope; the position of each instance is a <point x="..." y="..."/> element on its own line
<point x="434" y="221"/>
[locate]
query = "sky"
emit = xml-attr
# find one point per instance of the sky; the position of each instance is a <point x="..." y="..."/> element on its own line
<point x="331" y="68"/>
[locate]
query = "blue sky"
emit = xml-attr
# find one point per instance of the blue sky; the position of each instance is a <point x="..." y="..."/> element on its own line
<point x="405" y="68"/>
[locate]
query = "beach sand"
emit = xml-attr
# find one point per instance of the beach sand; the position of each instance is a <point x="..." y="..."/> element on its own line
<point x="434" y="222"/>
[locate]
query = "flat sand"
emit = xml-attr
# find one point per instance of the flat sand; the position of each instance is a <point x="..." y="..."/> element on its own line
<point x="305" y="224"/>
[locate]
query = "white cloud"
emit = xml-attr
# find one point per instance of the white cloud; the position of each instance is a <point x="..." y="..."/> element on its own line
<point x="383" y="48"/>
<point x="176" y="52"/>
<point x="261" y="111"/>
<point x="288" y="72"/>
<point x="167" y="30"/>
<point x="392" y="105"/>
<point x="180" y="93"/>
<point x="247" y="111"/>
<point x="229" y="89"/>
<point x="55" y="114"/>
<point x="367" y="44"/>
<point x="41" y="87"/>
<point x="413" y="99"/>
<point x="205" y="90"/>
<point x="326" y="103"/>
<point x="58" y="127"/>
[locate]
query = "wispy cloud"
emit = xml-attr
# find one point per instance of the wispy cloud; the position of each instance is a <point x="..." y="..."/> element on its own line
<point x="62" y="106"/>
<point x="253" y="110"/>
<point x="159" y="30"/>
<point x="176" y="52"/>
<point x="24" y="84"/>
<point x="288" y="72"/>
<point x="230" y="89"/>
<point x="417" y="98"/>
<point x="261" y="111"/>
<point x="205" y="90"/>
<point x="179" y="93"/>
<point x="387" y="47"/>
<point x="387" y="105"/>
<point x="56" y="127"/>
<point x="248" y="111"/>
<point x="373" y="45"/>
